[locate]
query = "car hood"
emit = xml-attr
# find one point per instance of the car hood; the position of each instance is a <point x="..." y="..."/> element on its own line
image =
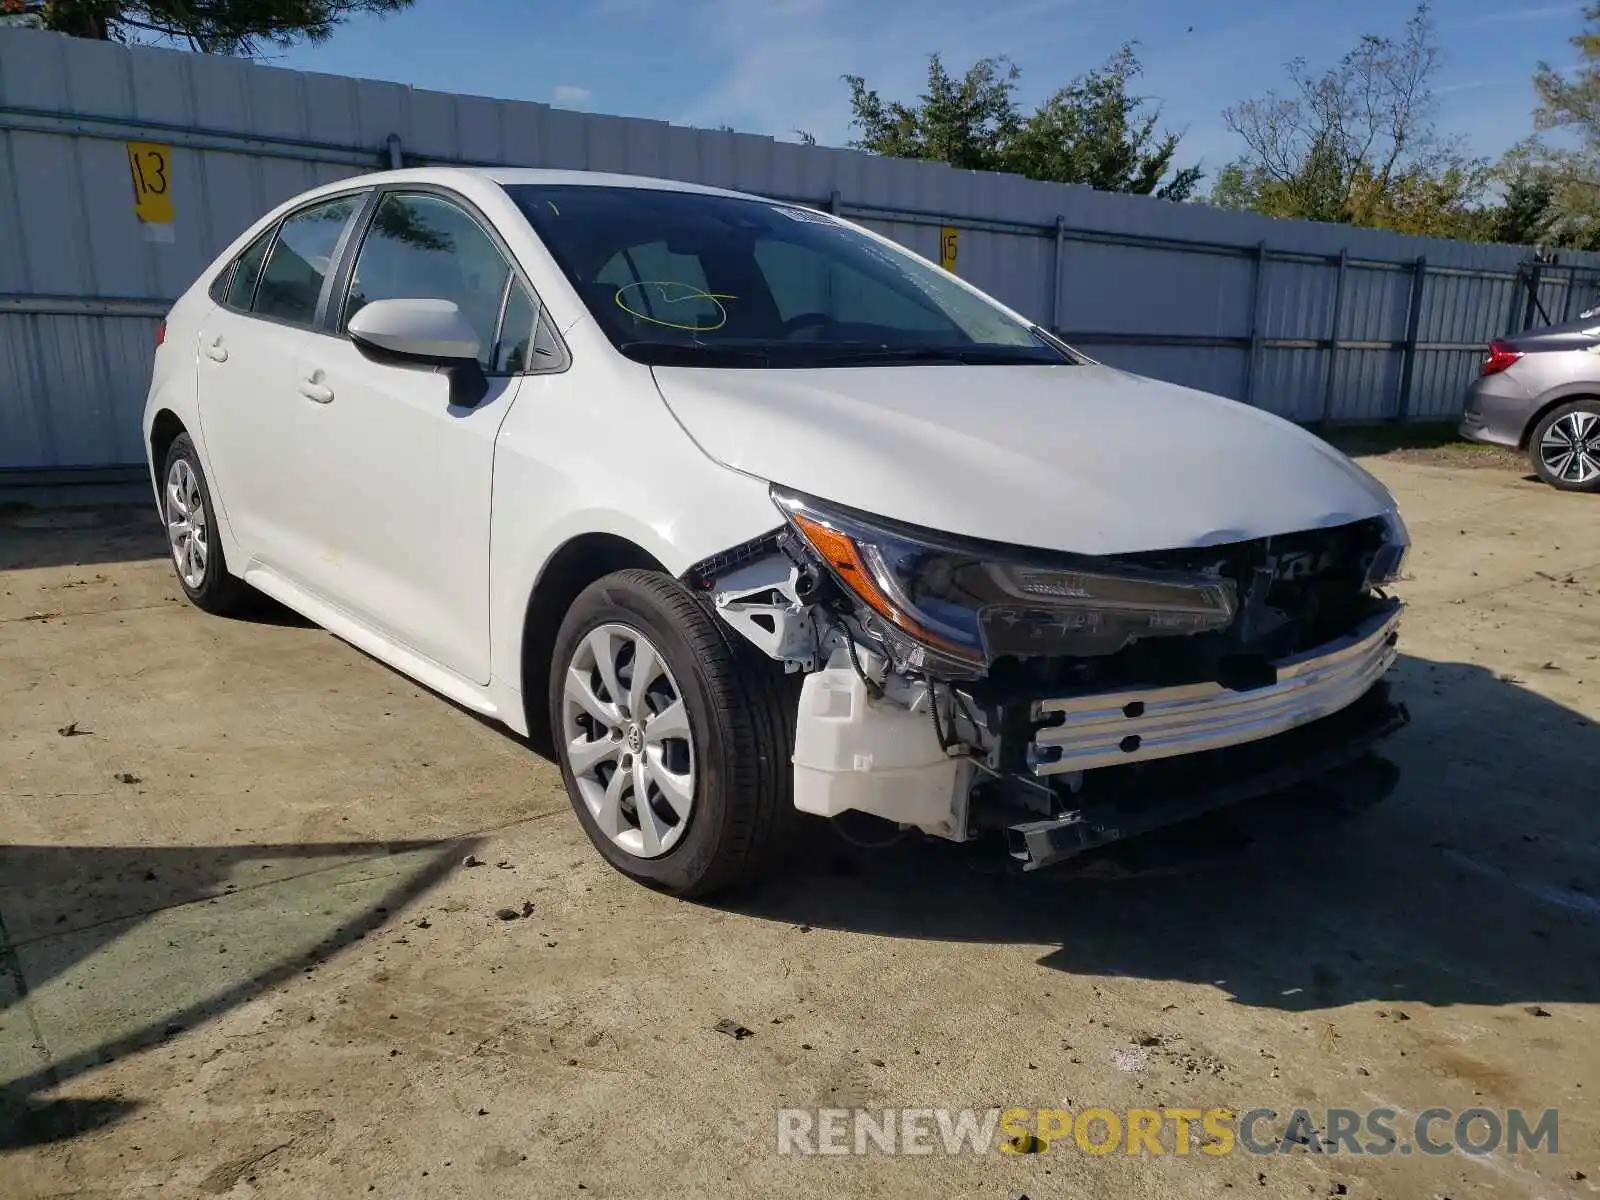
<point x="1077" y="458"/>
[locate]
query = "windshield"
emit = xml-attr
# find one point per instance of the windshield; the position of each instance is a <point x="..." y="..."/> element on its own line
<point x="688" y="278"/>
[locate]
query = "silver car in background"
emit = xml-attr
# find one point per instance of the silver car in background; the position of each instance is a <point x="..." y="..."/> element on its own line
<point x="1540" y="392"/>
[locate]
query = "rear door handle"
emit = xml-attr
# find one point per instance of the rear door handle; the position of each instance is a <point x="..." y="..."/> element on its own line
<point x="312" y="388"/>
<point x="217" y="352"/>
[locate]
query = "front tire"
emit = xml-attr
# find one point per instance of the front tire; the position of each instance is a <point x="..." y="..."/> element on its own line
<point x="674" y="739"/>
<point x="1565" y="447"/>
<point x="190" y="518"/>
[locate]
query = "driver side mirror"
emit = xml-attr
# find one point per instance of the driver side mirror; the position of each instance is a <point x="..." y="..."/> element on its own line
<point x="427" y="332"/>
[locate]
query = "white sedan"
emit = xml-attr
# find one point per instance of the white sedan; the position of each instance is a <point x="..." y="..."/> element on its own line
<point x="744" y="510"/>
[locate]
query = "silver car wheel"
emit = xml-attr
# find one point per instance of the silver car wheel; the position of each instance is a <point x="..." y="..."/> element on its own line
<point x="628" y="741"/>
<point x="1570" y="448"/>
<point x="186" y="522"/>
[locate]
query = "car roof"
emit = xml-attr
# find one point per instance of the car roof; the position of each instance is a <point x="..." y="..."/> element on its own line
<point x="525" y="176"/>
<point x="531" y="175"/>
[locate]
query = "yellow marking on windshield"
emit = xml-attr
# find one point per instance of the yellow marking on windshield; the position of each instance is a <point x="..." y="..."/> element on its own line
<point x="671" y="292"/>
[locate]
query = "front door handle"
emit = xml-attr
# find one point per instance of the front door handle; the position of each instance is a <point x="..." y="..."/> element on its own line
<point x="312" y="388"/>
<point x="217" y="352"/>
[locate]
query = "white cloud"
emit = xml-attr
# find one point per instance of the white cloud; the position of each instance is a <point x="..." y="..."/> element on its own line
<point x="569" y="94"/>
<point x="782" y="60"/>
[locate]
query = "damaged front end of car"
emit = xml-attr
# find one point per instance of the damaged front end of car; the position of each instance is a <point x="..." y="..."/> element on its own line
<point x="957" y="686"/>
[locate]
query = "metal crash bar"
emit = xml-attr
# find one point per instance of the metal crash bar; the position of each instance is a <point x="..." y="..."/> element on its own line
<point x="1113" y="728"/>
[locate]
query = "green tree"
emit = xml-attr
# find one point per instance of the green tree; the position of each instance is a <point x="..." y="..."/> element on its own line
<point x="1573" y="103"/>
<point x="1356" y="143"/>
<point x="1528" y="215"/>
<point x="965" y="122"/>
<point x="1093" y="131"/>
<point x="1568" y="101"/>
<point x="240" y="27"/>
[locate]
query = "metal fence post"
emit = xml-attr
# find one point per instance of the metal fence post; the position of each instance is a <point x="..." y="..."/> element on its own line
<point x="1331" y="362"/>
<point x="1408" y="364"/>
<point x="1516" y="301"/>
<point x="397" y="158"/>
<point x="1059" y="274"/>
<point x="834" y="201"/>
<point x="1532" y="305"/>
<point x="1257" y="273"/>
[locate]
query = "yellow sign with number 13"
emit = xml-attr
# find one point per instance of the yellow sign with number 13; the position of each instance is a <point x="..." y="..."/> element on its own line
<point x="151" y="165"/>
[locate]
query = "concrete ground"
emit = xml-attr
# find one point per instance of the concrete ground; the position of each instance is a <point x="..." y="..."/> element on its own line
<point x="241" y="955"/>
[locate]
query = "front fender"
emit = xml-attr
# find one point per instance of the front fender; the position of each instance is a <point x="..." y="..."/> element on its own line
<point x="618" y="464"/>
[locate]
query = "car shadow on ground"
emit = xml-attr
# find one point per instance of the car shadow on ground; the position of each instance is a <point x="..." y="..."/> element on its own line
<point x="109" y="950"/>
<point x="1476" y="882"/>
<point x="60" y="536"/>
<point x="87" y="536"/>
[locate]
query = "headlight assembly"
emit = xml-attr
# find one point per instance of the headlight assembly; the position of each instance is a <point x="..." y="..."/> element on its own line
<point x="1390" y="559"/>
<point x="970" y="604"/>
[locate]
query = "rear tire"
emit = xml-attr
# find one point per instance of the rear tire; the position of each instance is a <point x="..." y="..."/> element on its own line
<point x="196" y="549"/>
<point x="704" y="738"/>
<point x="1565" y="447"/>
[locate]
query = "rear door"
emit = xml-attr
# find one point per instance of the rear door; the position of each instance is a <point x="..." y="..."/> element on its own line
<point x="400" y="478"/>
<point x="250" y="409"/>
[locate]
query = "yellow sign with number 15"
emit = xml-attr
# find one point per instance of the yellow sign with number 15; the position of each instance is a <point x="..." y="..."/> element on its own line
<point x="949" y="243"/>
<point x="151" y="165"/>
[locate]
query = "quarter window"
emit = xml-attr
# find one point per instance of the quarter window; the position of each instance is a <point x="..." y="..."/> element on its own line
<point x="518" y="329"/>
<point x="242" y="287"/>
<point x="422" y="247"/>
<point x="301" y="258"/>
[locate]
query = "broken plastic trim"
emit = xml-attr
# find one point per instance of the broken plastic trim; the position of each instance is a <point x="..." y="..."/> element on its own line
<point x="702" y="576"/>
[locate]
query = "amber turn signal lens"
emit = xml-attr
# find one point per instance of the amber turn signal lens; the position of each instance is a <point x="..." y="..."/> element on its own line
<point x="840" y="552"/>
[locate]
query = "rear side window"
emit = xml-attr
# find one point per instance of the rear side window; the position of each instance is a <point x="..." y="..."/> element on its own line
<point x="242" y="288"/>
<point x="422" y="247"/>
<point x="300" y="261"/>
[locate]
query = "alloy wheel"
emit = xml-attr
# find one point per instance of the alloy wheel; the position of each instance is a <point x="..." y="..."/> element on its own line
<point x="186" y="523"/>
<point x="1570" y="448"/>
<point x="628" y="740"/>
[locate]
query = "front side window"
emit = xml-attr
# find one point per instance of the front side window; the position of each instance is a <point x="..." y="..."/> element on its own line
<point x="684" y="277"/>
<point x="423" y="247"/>
<point x="300" y="260"/>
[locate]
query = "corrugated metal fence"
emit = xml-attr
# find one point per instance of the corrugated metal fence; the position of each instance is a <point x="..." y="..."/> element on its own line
<point x="1315" y="322"/>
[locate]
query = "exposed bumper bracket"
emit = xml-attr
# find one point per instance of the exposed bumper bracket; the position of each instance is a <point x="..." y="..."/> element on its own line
<point x="1303" y="754"/>
<point x="1111" y="729"/>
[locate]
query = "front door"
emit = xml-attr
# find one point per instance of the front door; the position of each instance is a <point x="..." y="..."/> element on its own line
<point x="399" y="479"/>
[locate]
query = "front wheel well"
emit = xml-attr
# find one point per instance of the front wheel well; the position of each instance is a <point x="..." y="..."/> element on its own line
<point x="164" y="430"/>
<point x="572" y="568"/>
<point x="1544" y="411"/>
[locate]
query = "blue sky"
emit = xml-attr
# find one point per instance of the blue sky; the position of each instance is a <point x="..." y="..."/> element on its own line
<point x="771" y="66"/>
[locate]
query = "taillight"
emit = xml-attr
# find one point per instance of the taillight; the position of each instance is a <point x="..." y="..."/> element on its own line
<point x="161" y="334"/>
<point x="1501" y="356"/>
